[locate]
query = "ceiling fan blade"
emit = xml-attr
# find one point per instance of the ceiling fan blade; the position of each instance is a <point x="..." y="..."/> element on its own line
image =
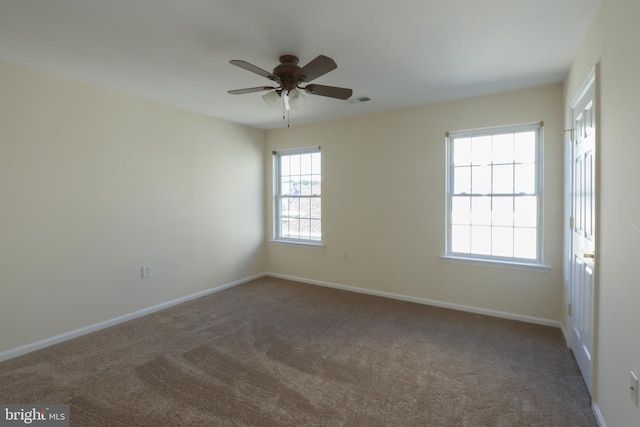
<point x="330" y="91"/>
<point x="250" y="90"/>
<point x="250" y="67"/>
<point x="316" y="68"/>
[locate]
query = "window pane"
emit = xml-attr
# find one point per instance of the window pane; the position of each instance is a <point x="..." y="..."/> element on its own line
<point x="461" y="210"/>
<point x="481" y="150"/>
<point x="503" y="148"/>
<point x="481" y="179"/>
<point x="481" y="211"/>
<point x="503" y="179"/>
<point x="462" y="151"/>
<point x="462" y="180"/>
<point x="525" y="181"/>
<point x="316" y="229"/>
<point x="293" y="230"/>
<point x="502" y="212"/>
<point x="316" y="208"/>
<point x="525" y="147"/>
<point x="316" y="161"/>
<point x="481" y="240"/>
<point x="284" y="227"/>
<point x="305" y="164"/>
<point x="316" y="185"/>
<point x="290" y="207"/>
<point x="502" y="241"/>
<point x="305" y="208"/>
<point x="526" y="212"/>
<point x="285" y="166"/>
<point x="294" y="164"/>
<point x="461" y="239"/>
<point x="305" y="185"/>
<point x="285" y="186"/>
<point x="305" y="228"/>
<point x="525" y="243"/>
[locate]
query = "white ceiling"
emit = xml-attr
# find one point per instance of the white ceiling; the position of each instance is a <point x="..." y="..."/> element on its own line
<point x="399" y="53"/>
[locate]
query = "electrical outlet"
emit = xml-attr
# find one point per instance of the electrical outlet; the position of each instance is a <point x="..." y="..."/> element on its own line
<point x="633" y="387"/>
<point x="146" y="271"/>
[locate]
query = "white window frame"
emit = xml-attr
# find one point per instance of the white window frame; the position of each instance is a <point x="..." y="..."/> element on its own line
<point x="477" y="258"/>
<point x="281" y="193"/>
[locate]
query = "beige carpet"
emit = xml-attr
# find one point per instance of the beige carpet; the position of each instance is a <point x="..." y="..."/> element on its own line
<point x="278" y="353"/>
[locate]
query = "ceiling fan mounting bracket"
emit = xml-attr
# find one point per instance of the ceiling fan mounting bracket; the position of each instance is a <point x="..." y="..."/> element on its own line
<point x="288" y="59"/>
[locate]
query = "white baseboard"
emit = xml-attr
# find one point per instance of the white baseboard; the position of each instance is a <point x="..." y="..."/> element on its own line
<point x="566" y="337"/>
<point x="598" y="414"/>
<point x="425" y="301"/>
<point x="10" y="354"/>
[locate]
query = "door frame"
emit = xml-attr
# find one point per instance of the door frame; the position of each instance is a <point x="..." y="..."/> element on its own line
<point x="593" y="78"/>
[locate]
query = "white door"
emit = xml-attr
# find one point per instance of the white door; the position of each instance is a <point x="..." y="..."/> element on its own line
<point x="583" y="256"/>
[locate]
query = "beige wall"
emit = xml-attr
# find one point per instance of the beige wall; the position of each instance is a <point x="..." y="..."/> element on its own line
<point x="384" y="203"/>
<point x="94" y="184"/>
<point x="613" y="41"/>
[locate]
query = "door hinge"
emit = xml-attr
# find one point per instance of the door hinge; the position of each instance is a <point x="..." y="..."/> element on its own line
<point x="570" y="310"/>
<point x="571" y="223"/>
<point x="571" y="132"/>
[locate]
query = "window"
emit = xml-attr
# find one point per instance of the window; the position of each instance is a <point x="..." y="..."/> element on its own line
<point x="298" y="196"/>
<point x="494" y="194"/>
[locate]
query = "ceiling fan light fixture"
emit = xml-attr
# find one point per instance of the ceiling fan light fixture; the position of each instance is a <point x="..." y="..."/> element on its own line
<point x="272" y="99"/>
<point x="296" y="99"/>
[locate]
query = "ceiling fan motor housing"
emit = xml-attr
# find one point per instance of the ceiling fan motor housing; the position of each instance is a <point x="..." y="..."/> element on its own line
<point x="286" y="70"/>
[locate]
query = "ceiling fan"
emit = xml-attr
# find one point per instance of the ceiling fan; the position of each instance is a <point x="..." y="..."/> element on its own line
<point x="290" y="77"/>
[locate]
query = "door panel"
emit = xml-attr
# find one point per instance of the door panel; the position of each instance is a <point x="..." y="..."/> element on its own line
<point x="582" y="283"/>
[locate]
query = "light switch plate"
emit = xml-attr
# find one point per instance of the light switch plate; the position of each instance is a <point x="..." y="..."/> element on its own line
<point x="146" y="271"/>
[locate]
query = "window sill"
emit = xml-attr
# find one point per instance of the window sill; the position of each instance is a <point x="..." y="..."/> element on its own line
<point x="298" y="243"/>
<point x="495" y="263"/>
